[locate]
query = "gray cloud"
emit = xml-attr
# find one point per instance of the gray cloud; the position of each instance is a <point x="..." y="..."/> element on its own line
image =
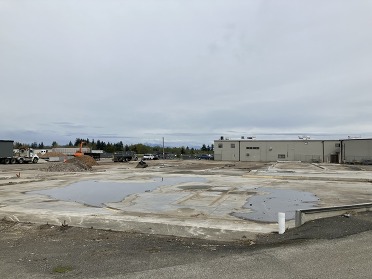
<point x="187" y="70"/>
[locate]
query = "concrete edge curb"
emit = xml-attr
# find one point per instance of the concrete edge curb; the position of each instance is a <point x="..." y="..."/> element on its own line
<point x="137" y="226"/>
<point x="306" y="215"/>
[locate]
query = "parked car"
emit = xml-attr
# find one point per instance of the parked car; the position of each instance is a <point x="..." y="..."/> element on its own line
<point x="367" y="162"/>
<point x="206" y="157"/>
<point x="148" y="157"/>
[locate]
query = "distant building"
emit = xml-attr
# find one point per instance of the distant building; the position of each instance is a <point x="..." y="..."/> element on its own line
<point x="303" y="149"/>
<point x="70" y="150"/>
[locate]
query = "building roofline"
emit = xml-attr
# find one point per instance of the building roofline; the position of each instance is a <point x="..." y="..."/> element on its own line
<point x="286" y="140"/>
<point x="356" y="139"/>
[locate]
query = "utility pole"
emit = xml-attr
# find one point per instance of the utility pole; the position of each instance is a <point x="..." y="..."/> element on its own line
<point x="163" y="150"/>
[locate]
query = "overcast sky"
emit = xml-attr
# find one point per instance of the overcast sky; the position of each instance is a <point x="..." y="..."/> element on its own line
<point x="189" y="71"/>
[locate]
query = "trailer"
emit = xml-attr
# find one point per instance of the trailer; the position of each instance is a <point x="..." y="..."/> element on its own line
<point x="6" y="152"/>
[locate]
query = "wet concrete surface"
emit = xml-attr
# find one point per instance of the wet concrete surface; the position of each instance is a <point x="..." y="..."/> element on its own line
<point x="267" y="202"/>
<point x="99" y="193"/>
<point x="200" y="206"/>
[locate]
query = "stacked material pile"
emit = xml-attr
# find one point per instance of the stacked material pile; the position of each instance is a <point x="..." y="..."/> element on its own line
<point x="76" y="164"/>
<point x="84" y="159"/>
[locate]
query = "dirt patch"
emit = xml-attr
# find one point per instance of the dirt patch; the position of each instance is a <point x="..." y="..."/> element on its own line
<point x="48" y="251"/>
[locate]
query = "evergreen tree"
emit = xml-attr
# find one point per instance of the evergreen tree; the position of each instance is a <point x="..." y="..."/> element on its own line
<point x="77" y="142"/>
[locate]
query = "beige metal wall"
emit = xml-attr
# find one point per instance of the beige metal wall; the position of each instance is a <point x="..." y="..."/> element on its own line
<point x="356" y="150"/>
<point x="226" y="150"/>
<point x="266" y="151"/>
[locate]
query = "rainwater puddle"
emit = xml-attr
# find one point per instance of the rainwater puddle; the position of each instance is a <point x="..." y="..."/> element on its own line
<point x="97" y="193"/>
<point x="268" y="202"/>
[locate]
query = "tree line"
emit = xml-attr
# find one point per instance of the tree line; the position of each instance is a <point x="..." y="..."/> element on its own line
<point x="109" y="147"/>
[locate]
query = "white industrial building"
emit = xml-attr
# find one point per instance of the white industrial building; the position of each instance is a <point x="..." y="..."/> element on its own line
<point x="305" y="150"/>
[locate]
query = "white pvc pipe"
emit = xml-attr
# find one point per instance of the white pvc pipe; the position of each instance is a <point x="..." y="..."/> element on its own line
<point x="281" y="222"/>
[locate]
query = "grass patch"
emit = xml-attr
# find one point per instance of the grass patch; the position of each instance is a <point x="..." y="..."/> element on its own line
<point x="62" y="269"/>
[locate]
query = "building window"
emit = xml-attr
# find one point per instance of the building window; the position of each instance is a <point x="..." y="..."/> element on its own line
<point x="250" y="147"/>
<point x="337" y="145"/>
<point x="281" y="156"/>
<point x="233" y="145"/>
<point x="220" y="145"/>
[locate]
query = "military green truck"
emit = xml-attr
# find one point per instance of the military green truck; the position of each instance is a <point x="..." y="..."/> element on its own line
<point x="124" y="156"/>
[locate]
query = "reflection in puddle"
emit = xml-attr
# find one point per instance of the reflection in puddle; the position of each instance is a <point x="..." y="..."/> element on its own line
<point x="97" y="193"/>
<point x="268" y="202"/>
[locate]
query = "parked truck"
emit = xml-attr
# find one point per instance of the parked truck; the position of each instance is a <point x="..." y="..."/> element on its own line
<point x="8" y="155"/>
<point x="124" y="156"/>
<point x="25" y="155"/>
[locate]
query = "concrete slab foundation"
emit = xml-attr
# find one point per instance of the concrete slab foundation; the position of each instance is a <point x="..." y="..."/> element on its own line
<point x="201" y="209"/>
